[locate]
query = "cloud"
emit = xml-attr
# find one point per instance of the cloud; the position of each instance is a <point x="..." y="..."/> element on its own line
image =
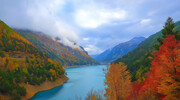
<point x="92" y="49"/>
<point x="38" y="15"/>
<point x="144" y="26"/>
<point x="85" y="39"/>
<point x="145" y="21"/>
<point x="95" y="24"/>
<point x="69" y="43"/>
<point x="92" y="18"/>
<point x="151" y="13"/>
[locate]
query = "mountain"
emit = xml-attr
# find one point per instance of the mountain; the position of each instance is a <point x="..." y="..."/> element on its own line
<point x="101" y="56"/>
<point x="119" y="50"/>
<point x="22" y="63"/>
<point x="138" y="60"/>
<point x="57" y="50"/>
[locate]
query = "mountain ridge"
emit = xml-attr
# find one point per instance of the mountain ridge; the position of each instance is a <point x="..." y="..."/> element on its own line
<point x="63" y="54"/>
<point x="119" y="50"/>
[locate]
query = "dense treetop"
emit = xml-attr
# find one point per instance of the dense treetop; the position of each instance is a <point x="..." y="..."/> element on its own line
<point x="22" y="62"/>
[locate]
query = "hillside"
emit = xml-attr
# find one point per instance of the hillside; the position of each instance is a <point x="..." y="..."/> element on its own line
<point x="57" y="51"/>
<point x="119" y="50"/>
<point x="138" y="60"/>
<point x="22" y="62"/>
<point x="101" y="56"/>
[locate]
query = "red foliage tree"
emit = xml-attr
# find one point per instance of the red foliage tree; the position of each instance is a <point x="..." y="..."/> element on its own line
<point x="164" y="79"/>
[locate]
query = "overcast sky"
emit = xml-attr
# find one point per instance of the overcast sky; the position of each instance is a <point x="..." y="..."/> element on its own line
<point x="94" y="24"/>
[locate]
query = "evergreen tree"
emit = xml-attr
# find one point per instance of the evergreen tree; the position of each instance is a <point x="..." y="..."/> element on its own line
<point x="169" y="29"/>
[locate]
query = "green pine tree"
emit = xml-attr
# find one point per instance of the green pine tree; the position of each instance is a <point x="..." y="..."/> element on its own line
<point x="169" y="29"/>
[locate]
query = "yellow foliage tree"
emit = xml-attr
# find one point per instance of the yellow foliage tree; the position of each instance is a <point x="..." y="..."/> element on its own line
<point x="118" y="81"/>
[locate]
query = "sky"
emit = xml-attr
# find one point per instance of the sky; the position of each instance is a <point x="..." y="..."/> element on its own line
<point x="96" y="25"/>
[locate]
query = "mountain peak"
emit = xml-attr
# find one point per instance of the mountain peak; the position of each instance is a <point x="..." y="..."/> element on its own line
<point x="140" y="37"/>
<point x="119" y="50"/>
<point x="136" y="40"/>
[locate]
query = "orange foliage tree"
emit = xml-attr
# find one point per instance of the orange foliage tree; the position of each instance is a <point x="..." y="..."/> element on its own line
<point x="164" y="78"/>
<point x="118" y="81"/>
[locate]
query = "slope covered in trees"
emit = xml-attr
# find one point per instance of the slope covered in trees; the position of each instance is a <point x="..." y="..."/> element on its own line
<point x="22" y="62"/>
<point x="162" y="82"/>
<point x="57" y="51"/>
<point x="138" y="60"/>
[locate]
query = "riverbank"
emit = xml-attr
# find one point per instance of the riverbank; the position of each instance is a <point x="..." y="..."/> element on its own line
<point x="80" y="66"/>
<point x="82" y="80"/>
<point x="33" y="89"/>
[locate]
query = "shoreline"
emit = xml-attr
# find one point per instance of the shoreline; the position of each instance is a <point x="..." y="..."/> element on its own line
<point x="33" y="89"/>
<point x="64" y="67"/>
<point x="47" y="85"/>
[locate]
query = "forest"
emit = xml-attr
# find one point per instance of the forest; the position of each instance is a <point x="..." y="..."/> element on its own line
<point x="155" y="76"/>
<point x="139" y="60"/>
<point x="161" y="81"/>
<point x="89" y="49"/>
<point x="22" y="62"/>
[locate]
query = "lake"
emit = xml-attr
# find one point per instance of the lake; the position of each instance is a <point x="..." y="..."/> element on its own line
<point x="81" y="81"/>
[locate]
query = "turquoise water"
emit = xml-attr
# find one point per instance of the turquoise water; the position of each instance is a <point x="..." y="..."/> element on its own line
<point x="81" y="81"/>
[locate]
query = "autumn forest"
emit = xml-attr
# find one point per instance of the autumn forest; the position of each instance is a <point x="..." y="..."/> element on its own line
<point x="89" y="50"/>
<point x="162" y="81"/>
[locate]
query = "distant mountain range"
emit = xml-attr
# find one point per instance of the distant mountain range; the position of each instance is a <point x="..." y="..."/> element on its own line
<point x="56" y="50"/>
<point x="118" y="51"/>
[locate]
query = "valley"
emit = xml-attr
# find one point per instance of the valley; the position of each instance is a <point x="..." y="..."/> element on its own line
<point x="89" y="50"/>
